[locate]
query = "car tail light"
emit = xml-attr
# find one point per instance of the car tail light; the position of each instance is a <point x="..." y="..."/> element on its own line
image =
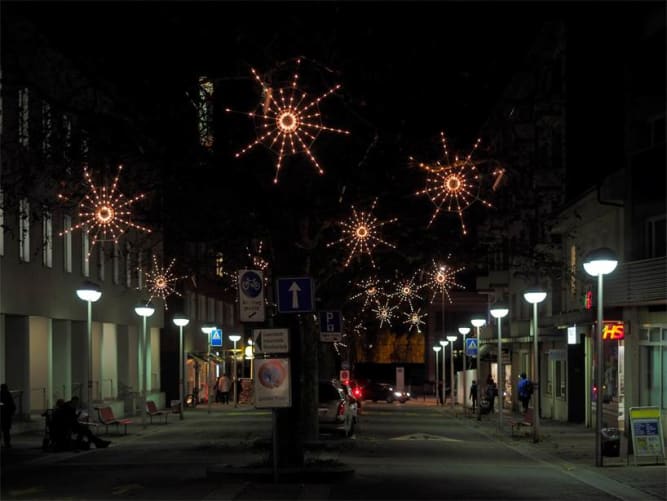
<point x="341" y="409"/>
<point x="357" y="392"/>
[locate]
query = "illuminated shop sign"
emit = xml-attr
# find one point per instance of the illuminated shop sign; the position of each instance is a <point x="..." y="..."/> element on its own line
<point x="613" y="331"/>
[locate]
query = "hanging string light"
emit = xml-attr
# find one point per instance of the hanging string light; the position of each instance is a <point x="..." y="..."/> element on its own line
<point x="415" y="320"/>
<point x="370" y="291"/>
<point x="288" y="122"/>
<point x="407" y="291"/>
<point x="105" y="214"/>
<point x="441" y="278"/>
<point x="361" y="234"/>
<point x="160" y="281"/>
<point x="384" y="312"/>
<point x="452" y="186"/>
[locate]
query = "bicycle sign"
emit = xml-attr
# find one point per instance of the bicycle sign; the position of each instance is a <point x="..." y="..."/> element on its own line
<point x="251" y="296"/>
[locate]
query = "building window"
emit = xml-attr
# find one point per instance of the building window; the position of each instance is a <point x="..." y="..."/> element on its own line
<point x="24" y="118"/>
<point x="47" y="239"/>
<point x="24" y="230"/>
<point x="2" y="224"/>
<point x="67" y="243"/>
<point x="652" y="364"/>
<point x="656" y="236"/>
<point x="85" y="250"/>
<point x="560" y="373"/>
<point x="67" y="141"/>
<point x="47" y="130"/>
<point x="128" y="265"/>
<point x="205" y="112"/>
<point x="115" y="262"/>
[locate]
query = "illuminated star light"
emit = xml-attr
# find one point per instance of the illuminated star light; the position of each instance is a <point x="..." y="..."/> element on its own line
<point x="290" y="123"/>
<point x="360" y="234"/>
<point x="452" y="187"/>
<point x="384" y="313"/>
<point x="441" y="278"/>
<point x="160" y="281"/>
<point x="414" y="319"/>
<point x="105" y="213"/>
<point x="406" y="291"/>
<point x="370" y="290"/>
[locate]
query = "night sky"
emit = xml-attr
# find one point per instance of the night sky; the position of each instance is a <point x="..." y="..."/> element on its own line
<point x="408" y="71"/>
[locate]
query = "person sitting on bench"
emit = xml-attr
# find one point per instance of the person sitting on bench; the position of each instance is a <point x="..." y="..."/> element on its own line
<point x="66" y="419"/>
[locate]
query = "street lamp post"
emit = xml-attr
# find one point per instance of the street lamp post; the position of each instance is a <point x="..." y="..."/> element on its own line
<point x="598" y="263"/>
<point x="464" y="331"/>
<point x="250" y="355"/>
<point x="144" y="310"/>
<point x="181" y="321"/>
<point x="535" y="296"/>
<point x="207" y="329"/>
<point x="477" y="323"/>
<point x="234" y="338"/>
<point x="437" y="349"/>
<point x="444" y="384"/>
<point x="451" y="340"/>
<point x="440" y="279"/>
<point x="499" y="312"/>
<point x="90" y="293"/>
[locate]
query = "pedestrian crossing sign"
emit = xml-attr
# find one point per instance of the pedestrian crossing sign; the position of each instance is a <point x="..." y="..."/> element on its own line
<point x="216" y="337"/>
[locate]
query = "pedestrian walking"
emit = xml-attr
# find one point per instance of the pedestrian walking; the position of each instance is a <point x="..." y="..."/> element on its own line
<point x="491" y="392"/>
<point x="473" y="395"/>
<point x="525" y="388"/>
<point x="7" y="410"/>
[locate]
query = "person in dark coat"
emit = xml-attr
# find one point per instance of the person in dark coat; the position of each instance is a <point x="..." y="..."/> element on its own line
<point x="473" y="395"/>
<point x="8" y="409"/>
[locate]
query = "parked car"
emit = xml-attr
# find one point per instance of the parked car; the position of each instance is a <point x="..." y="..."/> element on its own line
<point x="336" y="412"/>
<point x="376" y="391"/>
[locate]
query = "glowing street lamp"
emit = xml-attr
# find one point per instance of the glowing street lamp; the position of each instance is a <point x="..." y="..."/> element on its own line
<point x="90" y="293"/>
<point x="477" y="323"/>
<point x="234" y="338"/>
<point x="207" y="329"/>
<point x="437" y="349"/>
<point x="598" y="263"/>
<point x="534" y="297"/>
<point x="250" y="355"/>
<point x="464" y="331"/>
<point x="499" y="312"/>
<point x="444" y="350"/>
<point x="144" y="310"/>
<point x="451" y="339"/>
<point x="180" y="321"/>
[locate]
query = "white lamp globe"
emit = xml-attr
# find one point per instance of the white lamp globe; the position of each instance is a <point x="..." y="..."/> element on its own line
<point x="89" y="292"/>
<point x="600" y="262"/>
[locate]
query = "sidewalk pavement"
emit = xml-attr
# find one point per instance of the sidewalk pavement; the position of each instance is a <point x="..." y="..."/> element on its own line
<point x="569" y="446"/>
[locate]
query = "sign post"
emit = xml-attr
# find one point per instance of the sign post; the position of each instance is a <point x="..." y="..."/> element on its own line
<point x="216" y="338"/>
<point x="251" y="296"/>
<point x="331" y="326"/>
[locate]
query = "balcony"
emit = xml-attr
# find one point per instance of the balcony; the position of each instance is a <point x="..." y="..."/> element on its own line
<point x="637" y="283"/>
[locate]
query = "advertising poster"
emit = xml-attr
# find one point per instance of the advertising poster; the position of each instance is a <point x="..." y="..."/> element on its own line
<point x="272" y="383"/>
<point x="647" y="438"/>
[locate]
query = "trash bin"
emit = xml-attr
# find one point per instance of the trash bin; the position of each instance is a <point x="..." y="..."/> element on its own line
<point x="610" y="442"/>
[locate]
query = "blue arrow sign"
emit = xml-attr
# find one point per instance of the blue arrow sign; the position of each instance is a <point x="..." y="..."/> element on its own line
<point x="295" y="294"/>
<point x="471" y="347"/>
<point x="216" y="337"/>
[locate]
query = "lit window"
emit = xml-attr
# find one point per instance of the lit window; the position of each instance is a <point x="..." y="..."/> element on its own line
<point x="67" y="243"/>
<point x="205" y="112"/>
<point x="573" y="270"/>
<point x="24" y="230"/>
<point x="47" y="130"/>
<point x="24" y="118"/>
<point x="219" y="261"/>
<point x="85" y="249"/>
<point x="47" y="240"/>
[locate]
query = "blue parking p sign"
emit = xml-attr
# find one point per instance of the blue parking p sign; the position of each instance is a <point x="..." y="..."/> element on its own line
<point x="331" y="321"/>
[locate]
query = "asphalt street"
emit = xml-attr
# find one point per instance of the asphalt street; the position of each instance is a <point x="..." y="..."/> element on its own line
<point x="416" y="450"/>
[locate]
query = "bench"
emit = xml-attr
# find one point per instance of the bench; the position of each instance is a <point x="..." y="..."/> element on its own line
<point x="152" y="411"/>
<point x="106" y="417"/>
<point x="523" y="421"/>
